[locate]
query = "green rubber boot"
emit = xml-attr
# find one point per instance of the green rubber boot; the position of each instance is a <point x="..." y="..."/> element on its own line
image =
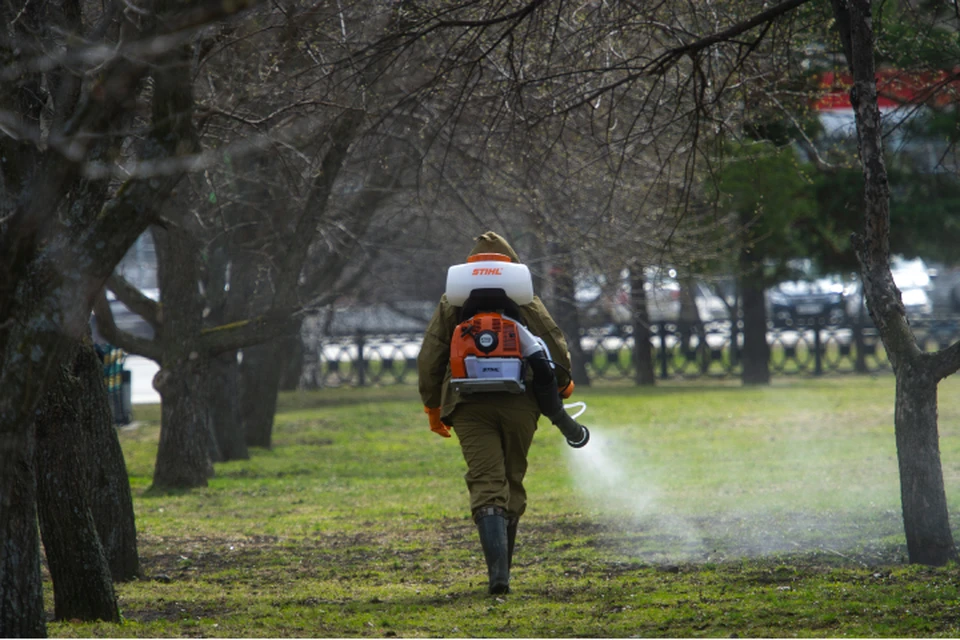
<point x="512" y="522"/>
<point x="492" y="526"/>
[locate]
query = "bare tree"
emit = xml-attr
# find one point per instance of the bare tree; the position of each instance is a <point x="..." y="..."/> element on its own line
<point x="318" y="153"/>
<point x="64" y="225"/>
<point x="923" y="499"/>
<point x="83" y="588"/>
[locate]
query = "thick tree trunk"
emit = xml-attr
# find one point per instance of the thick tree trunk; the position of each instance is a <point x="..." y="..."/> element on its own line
<point x="47" y="311"/>
<point x="186" y="439"/>
<point x="82" y="586"/>
<point x="924" y="502"/>
<point x="224" y="394"/>
<point x="183" y="456"/>
<point x="259" y="371"/>
<point x="222" y="382"/>
<point x="40" y="311"/>
<point x="259" y="381"/>
<point x="291" y="350"/>
<point x="756" y="351"/>
<point x="110" y="497"/>
<point x="644" y="374"/>
<point x="21" y="589"/>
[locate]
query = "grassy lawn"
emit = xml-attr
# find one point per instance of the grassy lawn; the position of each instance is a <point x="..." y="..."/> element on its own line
<point x="696" y="510"/>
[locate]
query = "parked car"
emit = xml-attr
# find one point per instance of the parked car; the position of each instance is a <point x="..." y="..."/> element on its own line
<point x="797" y="303"/>
<point x="945" y="290"/>
<point x="599" y="305"/>
<point x="663" y="302"/>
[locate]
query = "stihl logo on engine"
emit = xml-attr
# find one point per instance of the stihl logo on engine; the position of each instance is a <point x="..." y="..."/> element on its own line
<point x="487" y="271"/>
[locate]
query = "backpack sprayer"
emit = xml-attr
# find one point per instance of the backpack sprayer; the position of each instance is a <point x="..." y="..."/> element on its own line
<point x="491" y="347"/>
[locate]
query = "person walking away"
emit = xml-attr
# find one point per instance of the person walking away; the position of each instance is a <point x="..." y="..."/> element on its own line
<point x="491" y="362"/>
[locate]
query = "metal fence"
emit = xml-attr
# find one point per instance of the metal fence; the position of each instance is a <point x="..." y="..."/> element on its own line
<point x="705" y="351"/>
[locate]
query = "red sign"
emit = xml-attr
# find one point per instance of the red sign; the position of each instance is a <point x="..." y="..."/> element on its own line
<point x="894" y="88"/>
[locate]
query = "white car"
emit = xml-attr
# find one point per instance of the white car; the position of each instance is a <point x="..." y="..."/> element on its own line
<point x="912" y="277"/>
<point x="662" y="291"/>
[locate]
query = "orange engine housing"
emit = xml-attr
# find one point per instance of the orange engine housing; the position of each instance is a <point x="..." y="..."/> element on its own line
<point x="485" y="335"/>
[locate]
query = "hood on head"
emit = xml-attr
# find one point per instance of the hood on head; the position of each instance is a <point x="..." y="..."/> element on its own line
<point x="492" y="242"/>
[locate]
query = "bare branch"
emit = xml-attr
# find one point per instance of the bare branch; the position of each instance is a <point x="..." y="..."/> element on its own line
<point x="517" y="16"/>
<point x="669" y="57"/>
<point x="252" y="331"/>
<point x="135" y="300"/>
<point x="107" y="326"/>
<point x="945" y="362"/>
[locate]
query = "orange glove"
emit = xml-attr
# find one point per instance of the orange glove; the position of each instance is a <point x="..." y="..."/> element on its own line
<point x="435" y="424"/>
<point x="567" y="391"/>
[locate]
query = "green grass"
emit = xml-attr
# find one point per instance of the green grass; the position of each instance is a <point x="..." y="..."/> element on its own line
<point x="698" y="509"/>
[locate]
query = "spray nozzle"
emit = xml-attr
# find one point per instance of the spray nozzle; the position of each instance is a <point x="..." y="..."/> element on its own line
<point x="549" y="401"/>
<point x="576" y="434"/>
<point x="584" y="438"/>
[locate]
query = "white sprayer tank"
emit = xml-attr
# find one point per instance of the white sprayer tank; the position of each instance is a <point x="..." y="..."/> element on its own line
<point x="489" y="271"/>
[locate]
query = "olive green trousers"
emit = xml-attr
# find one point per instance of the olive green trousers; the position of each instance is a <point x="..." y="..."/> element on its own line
<point x="495" y="432"/>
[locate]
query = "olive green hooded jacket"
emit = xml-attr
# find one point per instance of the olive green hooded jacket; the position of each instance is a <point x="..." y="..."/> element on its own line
<point x="433" y="363"/>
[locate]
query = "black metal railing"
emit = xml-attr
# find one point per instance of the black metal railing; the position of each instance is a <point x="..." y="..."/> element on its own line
<point x="678" y="352"/>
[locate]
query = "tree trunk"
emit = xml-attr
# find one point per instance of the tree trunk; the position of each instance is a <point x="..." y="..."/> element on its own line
<point x="225" y="399"/>
<point x="183" y="456"/>
<point x="924" y="502"/>
<point x="82" y="586"/>
<point x="21" y="589"/>
<point x="186" y="439"/>
<point x="291" y="348"/>
<point x="644" y="375"/>
<point x="41" y="310"/>
<point x="259" y="381"/>
<point x="222" y="383"/>
<point x="258" y="372"/>
<point x="733" y="310"/>
<point x="187" y="444"/>
<point x="756" y="351"/>
<point x="567" y="318"/>
<point x="926" y="518"/>
<point x="691" y="325"/>
<point x="110" y="497"/>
